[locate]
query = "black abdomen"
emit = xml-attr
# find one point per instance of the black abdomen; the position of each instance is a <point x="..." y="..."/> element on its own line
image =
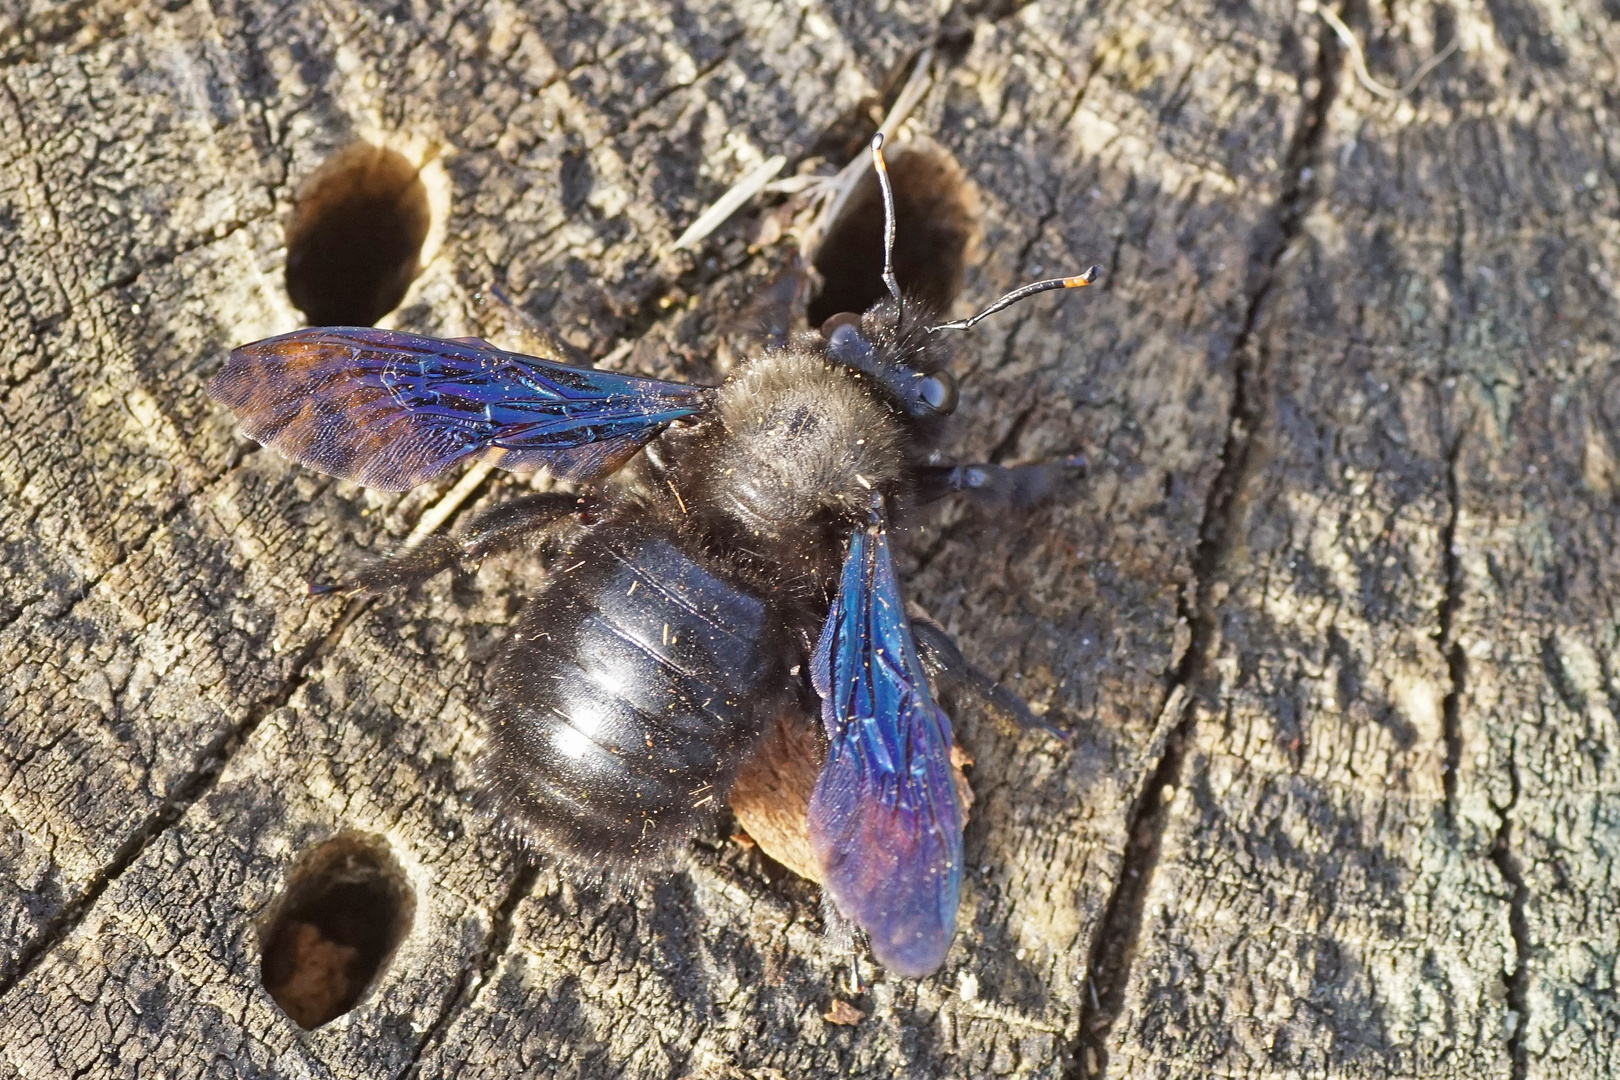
<point x="626" y="698"/>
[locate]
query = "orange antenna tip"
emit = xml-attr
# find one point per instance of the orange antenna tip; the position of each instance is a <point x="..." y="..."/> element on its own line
<point x="1019" y="294"/>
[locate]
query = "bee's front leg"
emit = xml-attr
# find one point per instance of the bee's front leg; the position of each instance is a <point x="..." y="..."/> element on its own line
<point x="1015" y="487"/>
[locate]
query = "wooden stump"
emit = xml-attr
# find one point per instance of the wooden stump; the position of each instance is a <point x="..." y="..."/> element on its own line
<point x="1332" y="614"/>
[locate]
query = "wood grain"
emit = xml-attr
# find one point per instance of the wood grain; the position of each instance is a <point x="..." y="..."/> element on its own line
<point x="1332" y="613"/>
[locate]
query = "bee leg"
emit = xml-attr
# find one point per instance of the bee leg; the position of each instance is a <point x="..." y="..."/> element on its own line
<point x="533" y="335"/>
<point x="517" y="521"/>
<point x="843" y="936"/>
<point x="499" y="528"/>
<point x="946" y="665"/>
<point x="412" y="566"/>
<point x="770" y="313"/>
<point x="998" y="486"/>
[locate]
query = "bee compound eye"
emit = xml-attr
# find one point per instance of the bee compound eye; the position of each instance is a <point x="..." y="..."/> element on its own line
<point x="848" y="346"/>
<point x="843" y="318"/>
<point x="937" y="393"/>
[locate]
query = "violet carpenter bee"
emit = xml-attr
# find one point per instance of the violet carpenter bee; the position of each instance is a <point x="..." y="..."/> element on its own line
<point x="704" y="608"/>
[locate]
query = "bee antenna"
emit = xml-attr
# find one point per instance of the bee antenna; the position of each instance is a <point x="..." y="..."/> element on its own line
<point x="888" y="220"/>
<point x="1076" y="282"/>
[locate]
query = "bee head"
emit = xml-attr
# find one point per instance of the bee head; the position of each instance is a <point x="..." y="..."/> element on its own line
<point x="909" y="368"/>
<point x="891" y="345"/>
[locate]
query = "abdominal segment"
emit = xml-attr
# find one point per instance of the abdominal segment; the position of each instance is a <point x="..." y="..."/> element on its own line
<point x="626" y="699"/>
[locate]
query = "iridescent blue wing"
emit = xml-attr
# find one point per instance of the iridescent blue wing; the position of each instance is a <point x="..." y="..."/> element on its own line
<point x="393" y="410"/>
<point x="884" y="822"/>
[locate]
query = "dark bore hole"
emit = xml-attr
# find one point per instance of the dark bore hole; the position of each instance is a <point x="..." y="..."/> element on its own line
<point x="936" y="218"/>
<point x="345" y="910"/>
<point x="355" y="237"/>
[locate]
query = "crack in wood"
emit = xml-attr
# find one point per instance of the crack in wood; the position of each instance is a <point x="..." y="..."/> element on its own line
<point x="1502" y="855"/>
<point x="220" y="232"/>
<point x="475" y="976"/>
<point x="656" y="99"/>
<point x="211" y="763"/>
<point x="1114" y="945"/>
<point x="1518" y="980"/>
<point x="1008" y="443"/>
<point x="1445" y="637"/>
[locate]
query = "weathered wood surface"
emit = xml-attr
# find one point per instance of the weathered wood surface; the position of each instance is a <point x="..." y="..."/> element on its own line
<point x="1336" y="599"/>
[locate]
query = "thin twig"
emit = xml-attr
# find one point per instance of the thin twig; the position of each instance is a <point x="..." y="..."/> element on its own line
<point x="751" y="184"/>
<point x="834" y="191"/>
<point x="437" y="514"/>
<point x="840" y="187"/>
<point x="1359" y="59"/>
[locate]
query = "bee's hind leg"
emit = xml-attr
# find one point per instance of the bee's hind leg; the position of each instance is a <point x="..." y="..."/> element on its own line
<point x="499" y="528"/>
<point x="946" y="665"/>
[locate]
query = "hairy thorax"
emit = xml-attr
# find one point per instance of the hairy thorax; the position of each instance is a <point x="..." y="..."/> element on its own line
<point x="800" y="439"/>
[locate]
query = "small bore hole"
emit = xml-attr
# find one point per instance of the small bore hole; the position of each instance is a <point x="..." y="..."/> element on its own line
<point x="936" y="222"/>
<point x="345" y="909"/>
<point x="354" y="242"/>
